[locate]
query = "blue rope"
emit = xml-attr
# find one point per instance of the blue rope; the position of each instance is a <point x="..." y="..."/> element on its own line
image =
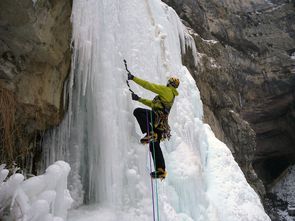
<point x="158" y="214"/>
<point x="148" y="129"/>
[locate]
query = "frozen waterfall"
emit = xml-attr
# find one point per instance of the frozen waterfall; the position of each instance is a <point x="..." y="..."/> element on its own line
<point x="100" y="137"/>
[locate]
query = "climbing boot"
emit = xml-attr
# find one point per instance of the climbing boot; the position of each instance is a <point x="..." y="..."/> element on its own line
<point x="159" y="174"/>
<point x="152" y="137"/>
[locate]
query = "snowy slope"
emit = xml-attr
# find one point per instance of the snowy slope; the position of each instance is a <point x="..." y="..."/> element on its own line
<point x="99" y="137"/>
<point x="43" y="197"/>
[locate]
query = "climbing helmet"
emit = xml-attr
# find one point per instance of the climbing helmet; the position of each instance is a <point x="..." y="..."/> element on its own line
<point x="173" y="81"/>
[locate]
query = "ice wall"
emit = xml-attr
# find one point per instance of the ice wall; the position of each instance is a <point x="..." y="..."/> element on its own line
<point x="43" y="197"/>
<point x="99" y="136"/>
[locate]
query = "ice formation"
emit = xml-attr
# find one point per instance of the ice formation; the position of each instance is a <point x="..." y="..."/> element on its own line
<point x="285" y="188"/>
<point x="43" y="197"/>
<point x="99" y="136"/>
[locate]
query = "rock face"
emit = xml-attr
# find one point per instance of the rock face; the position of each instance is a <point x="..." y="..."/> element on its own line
<point x="247" y="79"/>
<point x="34" y="63"/>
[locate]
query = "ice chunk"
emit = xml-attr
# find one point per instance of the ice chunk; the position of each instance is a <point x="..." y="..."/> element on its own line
<point x="43" y="197"/>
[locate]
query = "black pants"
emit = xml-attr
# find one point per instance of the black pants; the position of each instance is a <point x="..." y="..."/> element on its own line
<point x="145" y="118"/>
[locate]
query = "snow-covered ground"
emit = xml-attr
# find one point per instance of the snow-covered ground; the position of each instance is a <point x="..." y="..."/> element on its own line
<point x="100" y="136"/>
<point x="43" y="197"/>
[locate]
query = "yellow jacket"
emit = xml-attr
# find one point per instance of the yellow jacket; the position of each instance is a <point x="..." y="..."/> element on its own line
<point x="166" y="94"/>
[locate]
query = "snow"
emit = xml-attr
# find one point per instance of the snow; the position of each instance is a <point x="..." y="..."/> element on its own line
<point x="34" y="2"/>
<point x="284" y="215"/>
<point x="208" y="41"/>
<point x="285" y="190"/>
<point x="100" y="137"/>
<point x="44" y="197"/>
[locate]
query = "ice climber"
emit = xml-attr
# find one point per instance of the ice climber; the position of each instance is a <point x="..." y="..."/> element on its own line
<point x="155" y="122"/>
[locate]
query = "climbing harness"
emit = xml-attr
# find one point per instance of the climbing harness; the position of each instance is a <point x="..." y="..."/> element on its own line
<point x="161" y="123"/>
<point x="161" y="119"/>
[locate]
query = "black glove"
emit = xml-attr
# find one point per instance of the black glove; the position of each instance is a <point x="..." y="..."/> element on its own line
<point x="130" y="76"/>
<point x="135" y="97"/>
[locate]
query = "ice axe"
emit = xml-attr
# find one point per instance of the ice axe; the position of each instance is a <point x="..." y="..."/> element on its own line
<point x="127" y="82"/>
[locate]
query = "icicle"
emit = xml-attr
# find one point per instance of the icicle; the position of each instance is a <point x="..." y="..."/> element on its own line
<point x="99" y="136"/>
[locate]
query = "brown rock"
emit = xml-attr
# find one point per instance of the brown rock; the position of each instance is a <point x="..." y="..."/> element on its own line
<point x="34" y="63"/>
<point x="247" y="79"/>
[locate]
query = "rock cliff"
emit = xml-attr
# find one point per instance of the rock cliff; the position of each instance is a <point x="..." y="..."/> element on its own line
<point x="34" y="63"/>
<point x="247" y="79"/>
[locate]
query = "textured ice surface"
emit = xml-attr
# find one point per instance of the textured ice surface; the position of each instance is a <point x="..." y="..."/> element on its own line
<point x="285" y="190"/>
<point x="99" y="137"/>
<point x="43" y="197"/>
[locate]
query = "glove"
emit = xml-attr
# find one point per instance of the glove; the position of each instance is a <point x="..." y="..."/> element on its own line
<point x="135" y="97"/>
<point x="130" y="76"/>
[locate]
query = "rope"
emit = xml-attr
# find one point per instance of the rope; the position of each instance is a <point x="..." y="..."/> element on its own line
<point x="150" y="156"/>
<point x="154" y="216"/>
<point x="155" y="167"/>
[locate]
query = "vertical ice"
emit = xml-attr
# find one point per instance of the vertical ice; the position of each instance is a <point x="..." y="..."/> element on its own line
<point x="99" y="136"/>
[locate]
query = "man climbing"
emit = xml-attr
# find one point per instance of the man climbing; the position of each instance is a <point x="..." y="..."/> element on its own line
<point x="155" y="122"/>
